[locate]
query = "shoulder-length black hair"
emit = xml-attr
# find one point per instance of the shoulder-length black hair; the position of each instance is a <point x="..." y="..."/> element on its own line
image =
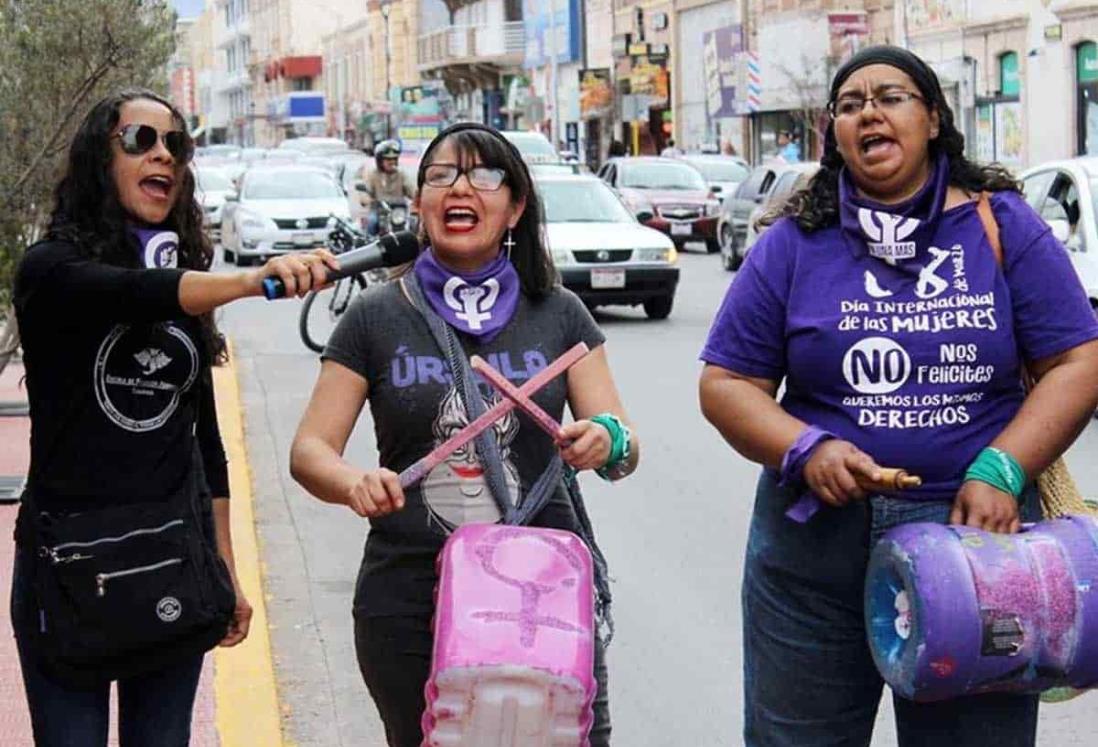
<point x="817" y="205"/>
<point x="88" y="213"/>
<point x="530" y="257"/>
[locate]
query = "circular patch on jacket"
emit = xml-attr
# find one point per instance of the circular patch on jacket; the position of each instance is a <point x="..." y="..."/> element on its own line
<point x="169" y="609"/>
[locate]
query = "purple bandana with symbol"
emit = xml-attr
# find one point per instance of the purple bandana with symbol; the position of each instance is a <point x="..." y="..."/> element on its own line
<point x="159" y="248"/>
<point x="893" y="233"/>
<point x="479" y="303"/>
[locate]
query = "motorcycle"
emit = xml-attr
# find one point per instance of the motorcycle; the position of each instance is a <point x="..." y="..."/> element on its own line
<point x="323" y="308"/>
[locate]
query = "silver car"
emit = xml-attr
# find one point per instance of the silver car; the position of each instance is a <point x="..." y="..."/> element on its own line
<point x="282" y="209"/>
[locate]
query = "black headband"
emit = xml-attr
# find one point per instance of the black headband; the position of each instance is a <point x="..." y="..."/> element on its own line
<point x="921" y="73"/>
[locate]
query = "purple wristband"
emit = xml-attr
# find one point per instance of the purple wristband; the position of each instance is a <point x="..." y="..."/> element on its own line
<point x="793" y="467"/>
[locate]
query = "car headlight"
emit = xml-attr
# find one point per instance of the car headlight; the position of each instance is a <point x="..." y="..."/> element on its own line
<point x="712" y="207"/>
<point x="562" y="257"/>
<point x="253" y="221"/>
<point x="656" y="254"/>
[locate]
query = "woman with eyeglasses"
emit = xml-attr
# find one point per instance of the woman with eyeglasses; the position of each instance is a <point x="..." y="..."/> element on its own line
<point x="124" y="566"/>
<point x="878" y="300"/>
<point x="483" y="285"/>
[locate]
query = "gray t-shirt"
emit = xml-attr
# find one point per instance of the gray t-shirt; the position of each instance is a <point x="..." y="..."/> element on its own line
<point x="415" y="408"/>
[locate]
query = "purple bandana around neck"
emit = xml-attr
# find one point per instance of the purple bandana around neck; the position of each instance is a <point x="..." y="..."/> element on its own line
<point x="893" y="233"/>
<point x="479" y="303"/>
<point x="159" y="248"/>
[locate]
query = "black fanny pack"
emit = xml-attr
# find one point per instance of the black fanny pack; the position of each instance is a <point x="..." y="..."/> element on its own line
<point x="127" y="589"/>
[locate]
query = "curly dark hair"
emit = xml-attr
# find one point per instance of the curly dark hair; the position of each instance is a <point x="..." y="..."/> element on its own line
<point x="530" y="257"/>
<point x="817" y="205"/>
<point x="87" y="211"/>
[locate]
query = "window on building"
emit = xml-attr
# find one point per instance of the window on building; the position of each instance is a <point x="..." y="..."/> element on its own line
<point x="301" y="84"/>
<point x="1009" y="81"/>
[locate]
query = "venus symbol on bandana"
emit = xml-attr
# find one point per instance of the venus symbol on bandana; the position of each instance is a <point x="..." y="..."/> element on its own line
<point x="472" y="303"/>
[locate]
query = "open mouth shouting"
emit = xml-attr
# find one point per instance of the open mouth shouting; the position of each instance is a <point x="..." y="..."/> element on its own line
<point x="158" y="187"/>
<point x="460" y="219"/>
<point x="876" y="145"/>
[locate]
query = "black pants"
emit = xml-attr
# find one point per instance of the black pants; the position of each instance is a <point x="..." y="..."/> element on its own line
<point x="394" y="656"/>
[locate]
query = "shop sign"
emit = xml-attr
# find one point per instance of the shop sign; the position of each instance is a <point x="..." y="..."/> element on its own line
<point x="596" y="94"/>
<point x="1087" y="62"/>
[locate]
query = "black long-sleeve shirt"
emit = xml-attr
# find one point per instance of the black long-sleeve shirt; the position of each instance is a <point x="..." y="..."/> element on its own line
<point x="118" y="382"/>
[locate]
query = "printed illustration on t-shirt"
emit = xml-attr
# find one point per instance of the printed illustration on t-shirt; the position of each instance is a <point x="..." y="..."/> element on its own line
<point x="141" y="372"/>
<point x="922" y="351"/>
<point x="456" y="491"/>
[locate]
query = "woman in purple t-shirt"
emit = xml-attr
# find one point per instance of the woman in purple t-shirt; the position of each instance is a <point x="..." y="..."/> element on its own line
<point x="878" y="301"/>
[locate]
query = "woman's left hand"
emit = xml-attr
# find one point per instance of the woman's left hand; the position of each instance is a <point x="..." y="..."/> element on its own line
<point x="980" y="505"/>
<point x="590" y="447"/>
<point x="242" y="619"/>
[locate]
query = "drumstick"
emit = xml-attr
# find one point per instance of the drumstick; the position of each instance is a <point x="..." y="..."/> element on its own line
<point x="892" y="479"/>
<point x="543" y="419"/>
<point x="418" y="470"/>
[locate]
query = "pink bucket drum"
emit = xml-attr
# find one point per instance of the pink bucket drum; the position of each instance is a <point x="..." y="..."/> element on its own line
<point x="513" y="661"/>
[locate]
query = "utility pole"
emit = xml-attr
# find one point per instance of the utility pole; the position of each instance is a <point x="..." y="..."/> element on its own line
<point x="553" y="71"/>
<point x="388" y="75"/>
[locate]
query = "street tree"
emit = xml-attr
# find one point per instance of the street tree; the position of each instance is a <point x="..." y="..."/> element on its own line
<point x="59" y="57"/>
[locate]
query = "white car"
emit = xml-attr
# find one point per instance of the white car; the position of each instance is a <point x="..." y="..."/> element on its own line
<point x="1065" y="194"/>
<point x="212" y="186"/>
<point x="604" y="255"/>
<point x="281" y="209"/>
<point x="534" y="147"/>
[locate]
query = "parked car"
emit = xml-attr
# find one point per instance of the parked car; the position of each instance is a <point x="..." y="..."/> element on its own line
<point x="534" y="147"/>
<point x="795" y="177"/>
<point x="315" y="146"/>
<point x="603" y="254"/>
<point x="724" y="174"/>
<point x="736" y="211"/>
<point x="212" y="186"/>
<point x="666" y="194"/>
<point x="1065" y="195"/>
<point x="281" y="209"/>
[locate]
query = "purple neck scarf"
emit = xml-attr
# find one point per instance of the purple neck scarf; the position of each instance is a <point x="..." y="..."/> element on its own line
<point x="893" y="233"/>
<point x="479" y="303"/>
<point x="159" y="248"/>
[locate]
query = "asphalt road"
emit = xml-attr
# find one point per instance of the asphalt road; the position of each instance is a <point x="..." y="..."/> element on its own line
<point x="674" y="534"/>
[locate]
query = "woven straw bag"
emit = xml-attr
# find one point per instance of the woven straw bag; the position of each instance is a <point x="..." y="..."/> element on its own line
<point x="1059" y="493"/>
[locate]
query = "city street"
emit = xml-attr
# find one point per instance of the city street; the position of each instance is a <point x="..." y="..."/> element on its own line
<point x="674" y="535"/>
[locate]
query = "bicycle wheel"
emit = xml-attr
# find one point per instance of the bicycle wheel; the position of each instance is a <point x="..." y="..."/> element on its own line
<point x="322" y="310"/>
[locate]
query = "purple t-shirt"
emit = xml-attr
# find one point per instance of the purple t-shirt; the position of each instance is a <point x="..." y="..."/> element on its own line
<point x="917" y="363"/>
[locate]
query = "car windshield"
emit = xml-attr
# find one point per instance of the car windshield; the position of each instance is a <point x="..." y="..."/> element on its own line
<point x="722" y="171"/>
<point x="655" y="175"/>
<point x="290" y="185"/>
<point x="532" y="145"/>
<point x="1094" y="194"/>
<point x="581" y="202"/>
<point x="212" y="181"/>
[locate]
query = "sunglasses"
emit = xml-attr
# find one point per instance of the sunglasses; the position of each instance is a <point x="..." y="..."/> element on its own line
<point x="482" y="178"/>
<point x="137" y="139"/>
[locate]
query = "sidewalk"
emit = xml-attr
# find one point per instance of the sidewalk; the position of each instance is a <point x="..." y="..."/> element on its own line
<point x="15" y="728"/>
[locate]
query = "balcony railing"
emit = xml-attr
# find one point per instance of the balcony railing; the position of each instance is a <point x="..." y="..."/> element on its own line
<point x="501" y="43"/>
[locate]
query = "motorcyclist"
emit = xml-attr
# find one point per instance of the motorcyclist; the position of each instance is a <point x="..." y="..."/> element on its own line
<point x="384" y="183"/>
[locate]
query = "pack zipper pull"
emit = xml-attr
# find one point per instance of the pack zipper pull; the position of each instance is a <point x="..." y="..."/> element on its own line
<point x="101" y="584"/>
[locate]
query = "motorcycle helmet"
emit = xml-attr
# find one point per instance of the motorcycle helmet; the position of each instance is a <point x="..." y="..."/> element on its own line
<point x="386" y="149"/>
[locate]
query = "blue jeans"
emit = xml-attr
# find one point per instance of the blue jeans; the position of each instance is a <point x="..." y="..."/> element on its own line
<point x="153" y="709"/>
<point x="809" y="677"/>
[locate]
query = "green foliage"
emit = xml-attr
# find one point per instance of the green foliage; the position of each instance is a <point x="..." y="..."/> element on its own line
<point x="57" y="58"/>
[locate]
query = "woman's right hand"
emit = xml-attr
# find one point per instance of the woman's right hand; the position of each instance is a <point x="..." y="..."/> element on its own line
<point x="300" y="272"/>
<point x="833" y="470"/>
<point x="377" y="493"/>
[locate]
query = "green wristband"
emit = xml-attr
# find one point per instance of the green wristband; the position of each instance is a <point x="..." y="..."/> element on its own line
<point x="999" y="470"/>
<point x="619" y="441"/>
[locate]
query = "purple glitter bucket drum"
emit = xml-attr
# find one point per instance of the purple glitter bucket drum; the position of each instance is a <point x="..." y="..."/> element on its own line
<point x="952" y="610"/>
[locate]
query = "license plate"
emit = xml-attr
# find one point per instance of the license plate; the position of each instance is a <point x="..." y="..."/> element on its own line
<point x="605" y="277"/>
<point x="303" y="239"/>
<point x="682" y="229"/>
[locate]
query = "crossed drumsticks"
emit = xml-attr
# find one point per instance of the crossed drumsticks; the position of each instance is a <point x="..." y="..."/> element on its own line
<point x="513" y="397"/>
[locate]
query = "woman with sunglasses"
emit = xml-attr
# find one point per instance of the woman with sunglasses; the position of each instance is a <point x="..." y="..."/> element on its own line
<point x="115" y="309"/>
<point x="879" y="300"/>
<point x="483" y="285"/>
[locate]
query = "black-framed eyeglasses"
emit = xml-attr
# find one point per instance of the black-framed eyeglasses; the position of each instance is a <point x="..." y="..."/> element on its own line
<point x="852" y="104"/>
<point x="137" y="139"/>
<point x="481" y="178"/>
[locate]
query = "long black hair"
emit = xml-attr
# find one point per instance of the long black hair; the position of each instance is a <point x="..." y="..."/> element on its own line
<point x="817" y="205"/>
<point x="88" y="212"/>
<point x="530" y="257"/>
